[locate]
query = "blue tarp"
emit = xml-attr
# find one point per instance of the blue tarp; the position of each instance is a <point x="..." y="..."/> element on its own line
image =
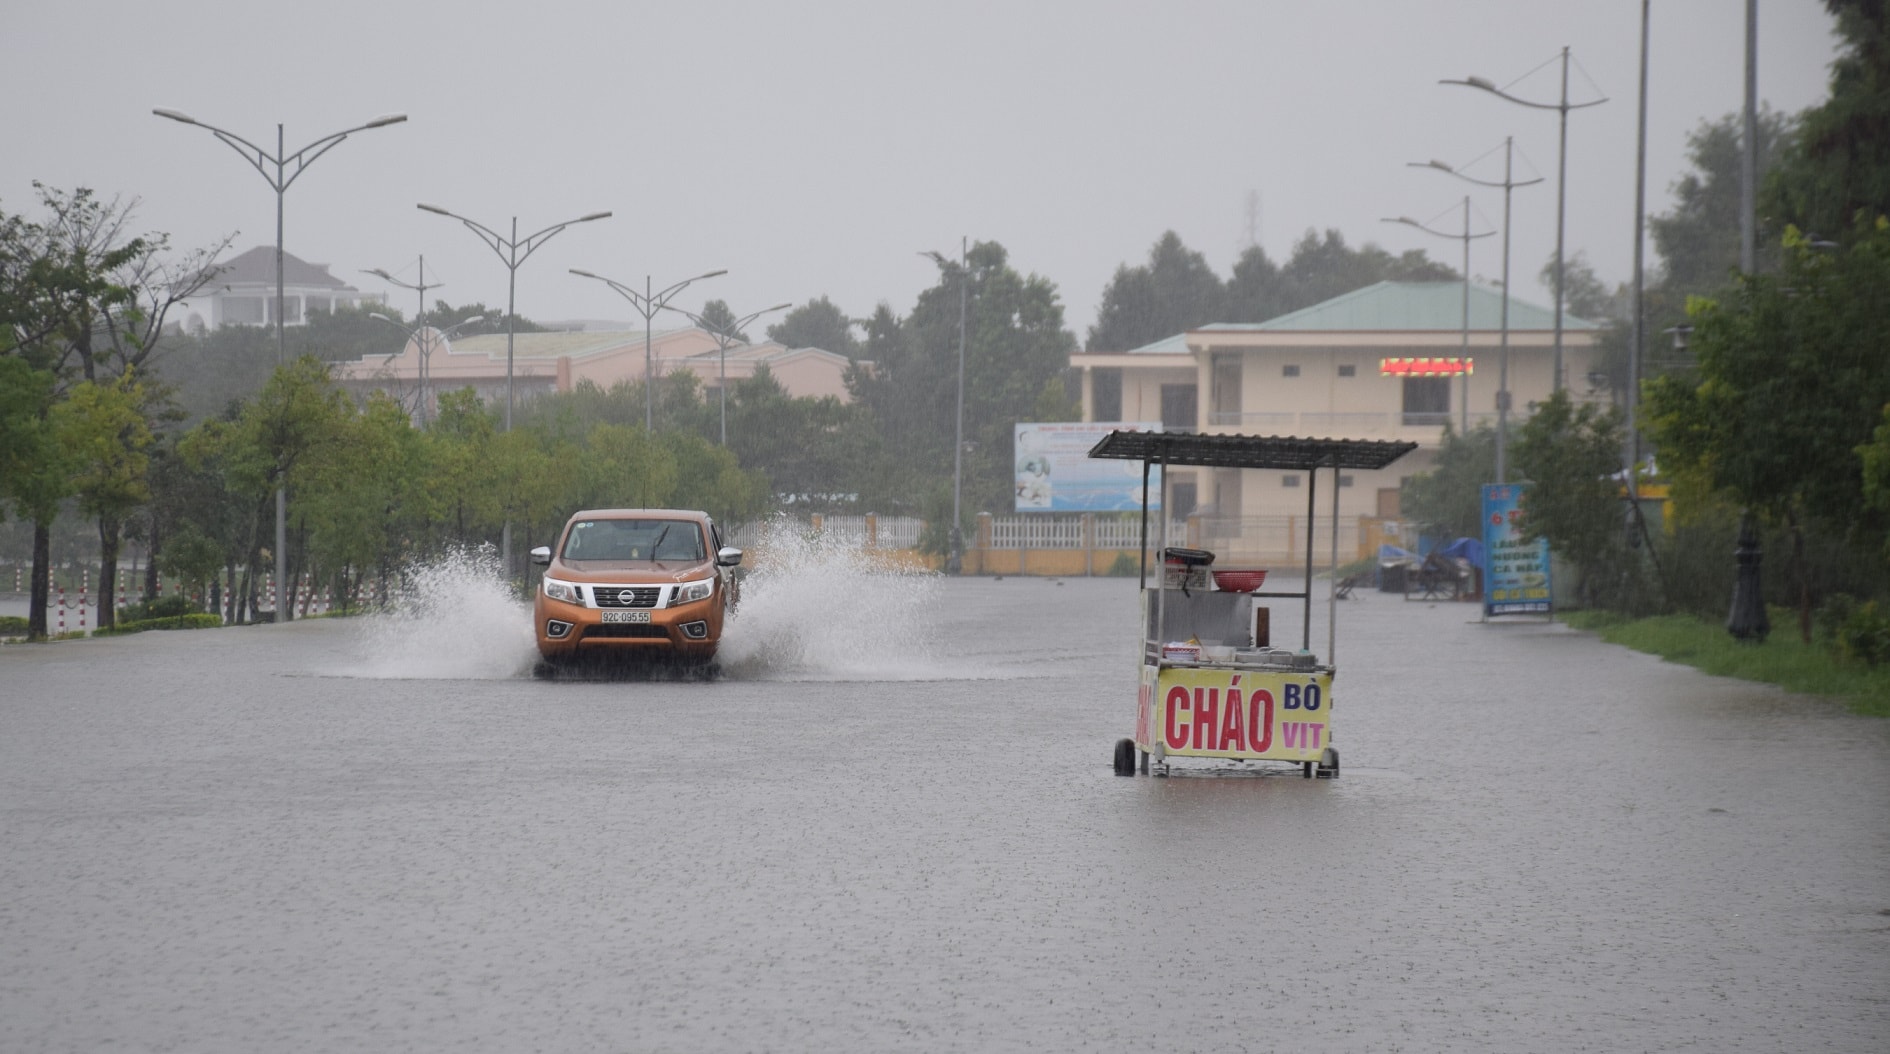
<point x="1464" y="548"/>
<point x="1391" y="554"/>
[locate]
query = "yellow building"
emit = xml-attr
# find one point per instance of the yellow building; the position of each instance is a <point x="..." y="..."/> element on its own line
<point x="1390" y="361"/>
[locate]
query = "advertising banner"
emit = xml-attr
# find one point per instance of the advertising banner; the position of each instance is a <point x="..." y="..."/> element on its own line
<point x="1214" y="712"/>
<point x="1056" y="474"/>
<point x="1517" y="580"/>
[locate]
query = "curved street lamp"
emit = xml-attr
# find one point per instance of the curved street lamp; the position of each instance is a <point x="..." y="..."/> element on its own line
<point x="648" y="304"/>
<point x="954" y="561"/>
<point x="512" y="252"/>
<point x="723" y="342"/>
<point x="423" y="337"/>
<point x="1508" y="184"/>
<point x="1465" y="238"/>
<point x="275" y="170"/>
<point x="1562" y="107"/>
<point x="420" y="320"/>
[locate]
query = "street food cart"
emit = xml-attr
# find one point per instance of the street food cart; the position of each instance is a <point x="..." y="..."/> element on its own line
<point x="1212" y="686"/>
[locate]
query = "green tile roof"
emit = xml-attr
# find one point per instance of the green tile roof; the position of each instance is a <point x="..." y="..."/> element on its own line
<point x="1175" y="345"/>
<point x="1409" y="306"/>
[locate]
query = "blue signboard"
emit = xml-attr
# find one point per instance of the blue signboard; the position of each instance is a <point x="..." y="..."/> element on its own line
<point x="1517" y="578"/>
<point x="1055" y="472"/>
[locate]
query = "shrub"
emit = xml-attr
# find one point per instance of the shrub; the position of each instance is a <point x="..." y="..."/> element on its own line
<point x="12" y="626"/>
<point x="1126" y="566"/>
<point x="160" y="607"/>
<point x="1856" y="631"/>
<point x="195" y="620"/>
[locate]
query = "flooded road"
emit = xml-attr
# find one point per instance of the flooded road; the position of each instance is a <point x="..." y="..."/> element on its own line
<point x="291" y="838"/>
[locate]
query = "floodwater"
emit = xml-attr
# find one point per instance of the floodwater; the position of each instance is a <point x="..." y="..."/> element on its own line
<point x="893" y="825"/>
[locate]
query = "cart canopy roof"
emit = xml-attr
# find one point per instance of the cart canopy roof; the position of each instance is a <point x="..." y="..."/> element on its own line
<point x="1238" y="451"/>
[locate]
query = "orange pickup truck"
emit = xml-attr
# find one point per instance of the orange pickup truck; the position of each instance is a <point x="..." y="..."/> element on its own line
<point x="637" y="585"/>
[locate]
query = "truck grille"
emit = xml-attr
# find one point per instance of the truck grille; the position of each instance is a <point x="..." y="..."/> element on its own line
<point x="627" y="596"/>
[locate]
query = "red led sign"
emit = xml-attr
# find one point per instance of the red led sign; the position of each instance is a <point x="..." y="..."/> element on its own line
<point x="1426" y="367"/>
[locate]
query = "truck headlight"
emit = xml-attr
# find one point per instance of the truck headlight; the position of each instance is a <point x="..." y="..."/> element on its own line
<point x="564" y="591"/>
<point x="690" y="592"/>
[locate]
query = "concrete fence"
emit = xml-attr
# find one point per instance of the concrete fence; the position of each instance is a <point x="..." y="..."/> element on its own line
<point x="1089" y="544"/>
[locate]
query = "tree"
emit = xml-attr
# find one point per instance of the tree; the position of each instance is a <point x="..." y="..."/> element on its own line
<point x="1791" y="386"/>
<point x="1016" y="350"/>
<point x="1584" y="294"/>
<point x="1571" y="453"/>
<point x="1841" y="164"/>
<point x="104" y="429"/>
<point x="1174" y="292"/>
<point x="1450" y="496"/>
<point x="718" y="317"/>
<point x="819" y="323"/>
<point x="1324" y="267"/>
<point x="1256" y="292"/>
<point x="1698" y="240"/>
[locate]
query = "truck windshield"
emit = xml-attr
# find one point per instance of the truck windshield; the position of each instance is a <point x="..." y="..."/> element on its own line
<point x="677" y="541"/>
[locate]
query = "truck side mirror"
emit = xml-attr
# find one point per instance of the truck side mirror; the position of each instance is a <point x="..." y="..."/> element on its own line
<point x="728" y="556"/>
<point x="541" y="554"/>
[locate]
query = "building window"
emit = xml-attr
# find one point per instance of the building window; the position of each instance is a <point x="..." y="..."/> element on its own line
<point x="1348" y="370"/>
<point x="244" y="310"/>
<point x="1289" y="481"/>
<point x="1426" y="400"/>
<point x="1224" y="385"/>
<point x="1105" y="394"/>
<point x="1345" y="481"/>
<point x="1289" y="371"/>
<point x="1179" y="407"/>
<point x="1181" y="500"/>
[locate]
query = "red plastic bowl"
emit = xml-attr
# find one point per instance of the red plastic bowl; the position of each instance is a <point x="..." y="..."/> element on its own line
<point x="1239" y="581"/>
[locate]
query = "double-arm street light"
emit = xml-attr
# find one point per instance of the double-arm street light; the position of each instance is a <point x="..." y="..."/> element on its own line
<point x="280" y="169"/>
<point x="954" y="561"/>
<point x="1509" y="183"/>
<point x="512" y="252"/>
<point x="648" y="304"/>
<point x="420" y="321"/>
<point x="726" y="338"/>
<point x="1562" y="107"/>
<point x="1465" y="238"/>
<point x="423" y="337"/>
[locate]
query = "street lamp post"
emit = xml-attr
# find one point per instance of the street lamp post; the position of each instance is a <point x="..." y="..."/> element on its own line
<point x="1508" y="184"/>
<point x="512" y="252"/>
<point x="1561" y="183"/>
<point x="422" y="338"/>
<point x="275" y="169"/>
<point x="648" y="304"/>
<point x="420" y="321"/>
<point x="955" y="560"/>
<point x="1465" y="238"/>
<point x="725" y="340"/>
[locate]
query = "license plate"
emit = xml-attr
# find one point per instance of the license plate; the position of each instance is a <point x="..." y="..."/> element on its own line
<point x="624" y="616"/>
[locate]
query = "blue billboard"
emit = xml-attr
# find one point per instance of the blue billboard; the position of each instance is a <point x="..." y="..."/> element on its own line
<point x="1517" y="578"/>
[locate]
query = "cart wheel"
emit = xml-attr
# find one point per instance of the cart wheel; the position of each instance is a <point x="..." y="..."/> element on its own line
<point x="1329" y="765"/>
<point x="1125" y="757"/>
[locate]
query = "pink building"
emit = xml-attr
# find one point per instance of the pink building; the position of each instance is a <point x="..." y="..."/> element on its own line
<point x="556" y="362"/>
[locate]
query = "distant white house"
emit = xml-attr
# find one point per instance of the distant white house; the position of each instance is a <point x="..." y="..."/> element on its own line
<point x="243" y="292"/>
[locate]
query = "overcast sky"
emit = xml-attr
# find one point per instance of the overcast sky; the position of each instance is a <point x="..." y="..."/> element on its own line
<point x="816" y="148"/>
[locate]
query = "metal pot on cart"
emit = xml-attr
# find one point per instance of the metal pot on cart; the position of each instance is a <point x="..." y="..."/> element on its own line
<point x="1208" y="688"/>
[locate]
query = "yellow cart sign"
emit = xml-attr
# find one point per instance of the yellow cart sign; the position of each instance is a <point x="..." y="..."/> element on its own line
<point x="1220" y="712"/>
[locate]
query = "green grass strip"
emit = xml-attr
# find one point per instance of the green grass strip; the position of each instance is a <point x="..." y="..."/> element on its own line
<point x="1783" y="659"/>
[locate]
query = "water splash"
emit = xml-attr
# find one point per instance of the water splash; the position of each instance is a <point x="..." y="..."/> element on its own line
<point x="819" y="607"/>
<point x="452" y="617"/>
